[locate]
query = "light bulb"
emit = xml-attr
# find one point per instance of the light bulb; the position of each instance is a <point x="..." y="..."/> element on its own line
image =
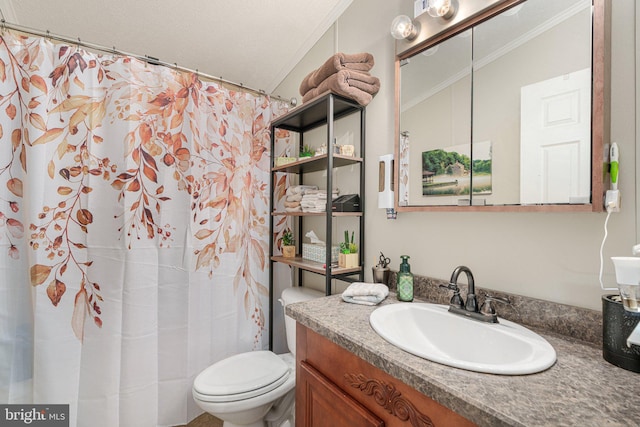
<point x="441" y="8"/>
<point x="403" y="27"/>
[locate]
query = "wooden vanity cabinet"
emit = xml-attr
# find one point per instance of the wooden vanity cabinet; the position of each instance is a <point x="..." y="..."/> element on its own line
<point x="335" y="388"/>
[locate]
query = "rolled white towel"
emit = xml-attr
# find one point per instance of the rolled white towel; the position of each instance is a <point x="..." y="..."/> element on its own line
<point x="365" y="293"/>
<point x="294" y="198"/>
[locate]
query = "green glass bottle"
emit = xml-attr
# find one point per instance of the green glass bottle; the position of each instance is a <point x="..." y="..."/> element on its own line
<point x="405" y="280"/>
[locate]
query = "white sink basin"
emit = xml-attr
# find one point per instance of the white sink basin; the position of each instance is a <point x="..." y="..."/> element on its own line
<point x="431" y="332"/>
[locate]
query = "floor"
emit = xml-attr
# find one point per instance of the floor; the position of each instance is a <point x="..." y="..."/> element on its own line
<point x="204" y="420"/>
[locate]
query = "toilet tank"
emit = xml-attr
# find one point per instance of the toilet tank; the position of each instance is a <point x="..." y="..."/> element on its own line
<point x="290" y="296"/>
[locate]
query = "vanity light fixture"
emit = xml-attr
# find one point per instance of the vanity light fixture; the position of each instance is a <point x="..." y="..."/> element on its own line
<point x="441" y="8"/>
<point x="406" y="28"/>
<point x="403" y="27"/>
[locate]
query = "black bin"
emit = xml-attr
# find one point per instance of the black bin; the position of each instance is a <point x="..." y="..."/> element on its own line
<point x="617" y="325"/>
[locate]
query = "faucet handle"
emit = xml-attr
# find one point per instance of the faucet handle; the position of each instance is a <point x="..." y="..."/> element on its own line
<point x="456" y="299"/>
<point x="451" y="286"/>
<point x="487" y="307"/>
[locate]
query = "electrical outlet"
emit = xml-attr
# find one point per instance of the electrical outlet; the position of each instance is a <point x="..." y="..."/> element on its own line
<point x="612" y="201"/>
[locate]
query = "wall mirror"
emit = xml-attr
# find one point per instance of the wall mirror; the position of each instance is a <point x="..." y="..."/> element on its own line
<point x="504" y="108"/>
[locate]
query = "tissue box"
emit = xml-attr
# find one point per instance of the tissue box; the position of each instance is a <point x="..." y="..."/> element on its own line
<point x="317" y="253"/>
<point x="281" y="161"/>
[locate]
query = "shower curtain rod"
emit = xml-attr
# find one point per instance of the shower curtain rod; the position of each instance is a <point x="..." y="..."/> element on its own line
<point x="149" y="59"/>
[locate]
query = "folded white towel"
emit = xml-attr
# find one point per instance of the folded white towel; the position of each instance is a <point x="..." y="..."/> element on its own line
<point x="312" y="203"/>
<point x="312" y="207"/>
<point x="365" y="293"/>
<point x="299" y="189"/>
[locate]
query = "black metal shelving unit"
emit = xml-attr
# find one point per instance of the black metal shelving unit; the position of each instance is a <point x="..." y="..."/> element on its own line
<point x="323" y="110"/>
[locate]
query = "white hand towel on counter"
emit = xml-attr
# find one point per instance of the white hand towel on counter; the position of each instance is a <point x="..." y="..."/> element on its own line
<point x="365" y="293"/>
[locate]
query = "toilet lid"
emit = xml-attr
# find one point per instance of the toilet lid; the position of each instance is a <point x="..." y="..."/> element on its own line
<point x="241" y="376"/>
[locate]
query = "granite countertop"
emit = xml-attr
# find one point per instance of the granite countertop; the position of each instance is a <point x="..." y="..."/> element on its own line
<point x="580" y="389"/>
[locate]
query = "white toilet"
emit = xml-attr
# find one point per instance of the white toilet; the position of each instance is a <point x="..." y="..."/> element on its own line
<point x="256" y="388"/>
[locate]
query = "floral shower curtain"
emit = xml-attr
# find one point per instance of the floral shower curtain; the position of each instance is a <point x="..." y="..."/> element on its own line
<point x="133" y="231"/>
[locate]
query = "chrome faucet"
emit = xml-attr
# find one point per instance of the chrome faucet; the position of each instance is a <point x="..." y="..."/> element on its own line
<point x="470" y="307"/>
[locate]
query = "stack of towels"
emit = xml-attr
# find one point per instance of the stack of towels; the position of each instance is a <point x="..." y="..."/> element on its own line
<point x="294" y="195"/>
<point x="316" y="200"/>
<point x="343" y="74"/>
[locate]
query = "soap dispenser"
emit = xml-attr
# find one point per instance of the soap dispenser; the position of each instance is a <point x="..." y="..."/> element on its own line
<point x="405" y="280"/>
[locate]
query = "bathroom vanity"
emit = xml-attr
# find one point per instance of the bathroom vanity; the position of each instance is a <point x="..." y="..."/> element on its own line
<point x="337" y="388"/>
<point x="347" y="375"/>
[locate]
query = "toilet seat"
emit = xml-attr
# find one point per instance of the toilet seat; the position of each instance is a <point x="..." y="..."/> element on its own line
<point x="240" y="377"/>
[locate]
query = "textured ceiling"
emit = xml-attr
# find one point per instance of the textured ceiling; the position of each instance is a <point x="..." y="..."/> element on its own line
<point x="253" y="42"/>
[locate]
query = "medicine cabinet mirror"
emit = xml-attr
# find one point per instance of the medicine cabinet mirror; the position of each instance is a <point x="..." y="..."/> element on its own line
<point x="504" y="108"/>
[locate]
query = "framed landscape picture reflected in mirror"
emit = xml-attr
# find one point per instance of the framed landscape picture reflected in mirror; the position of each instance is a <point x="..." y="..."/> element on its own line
<point x="449" y="171"/>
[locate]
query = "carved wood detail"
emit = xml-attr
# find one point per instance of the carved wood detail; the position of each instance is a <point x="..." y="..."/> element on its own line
<point x="387" y="396"/>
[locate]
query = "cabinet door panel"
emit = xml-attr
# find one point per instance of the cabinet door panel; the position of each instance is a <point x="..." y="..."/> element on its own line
<point x="325" y="405"/>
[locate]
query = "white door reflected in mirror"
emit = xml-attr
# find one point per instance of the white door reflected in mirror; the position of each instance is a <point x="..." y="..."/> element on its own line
<point x="555" y="150"/>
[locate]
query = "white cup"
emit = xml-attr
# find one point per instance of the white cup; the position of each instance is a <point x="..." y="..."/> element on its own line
<point x="628" y="278"/>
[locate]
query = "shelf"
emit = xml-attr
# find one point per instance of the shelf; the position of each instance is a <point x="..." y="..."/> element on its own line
<point x="334" y="214"/>
<point x="315" y="267"/>
<point x="321" y="111"/>
<point x="317" y="163"/>
<point x="313" y="113"/>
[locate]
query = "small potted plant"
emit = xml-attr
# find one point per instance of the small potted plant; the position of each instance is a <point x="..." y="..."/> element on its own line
<point x="348" y="257"/>
<point x="306" y="151"/>
<point x="288" y="244"/>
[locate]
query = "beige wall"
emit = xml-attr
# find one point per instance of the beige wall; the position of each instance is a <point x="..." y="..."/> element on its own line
<point x="551" y="256"/>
